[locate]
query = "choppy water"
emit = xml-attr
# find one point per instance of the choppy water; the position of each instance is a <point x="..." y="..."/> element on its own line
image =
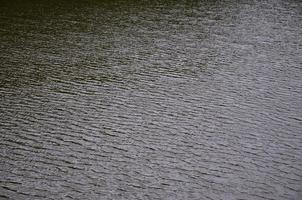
<point x="151" y="100"/>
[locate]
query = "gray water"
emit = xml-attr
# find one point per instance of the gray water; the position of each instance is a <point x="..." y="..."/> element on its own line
<point x="151" y="100"/>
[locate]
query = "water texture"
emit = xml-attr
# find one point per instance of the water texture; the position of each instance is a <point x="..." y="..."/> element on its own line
<point x="151" y="99"/>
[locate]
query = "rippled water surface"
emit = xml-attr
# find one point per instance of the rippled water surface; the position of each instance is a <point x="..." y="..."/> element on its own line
<point x="151" y="99"/>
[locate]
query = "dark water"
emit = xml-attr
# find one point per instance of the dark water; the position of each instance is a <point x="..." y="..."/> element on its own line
<point x="151" y="100"/>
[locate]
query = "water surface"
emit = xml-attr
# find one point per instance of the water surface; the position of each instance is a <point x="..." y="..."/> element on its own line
<point x="151" y="99"/>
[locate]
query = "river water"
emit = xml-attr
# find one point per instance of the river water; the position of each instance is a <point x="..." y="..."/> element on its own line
<point x="151" y="99"/>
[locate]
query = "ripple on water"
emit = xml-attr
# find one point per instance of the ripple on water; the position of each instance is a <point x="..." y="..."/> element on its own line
<point x="165" y="100"/>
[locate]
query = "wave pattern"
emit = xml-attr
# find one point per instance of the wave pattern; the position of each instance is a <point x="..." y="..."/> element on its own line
<point x="165" y="100"/>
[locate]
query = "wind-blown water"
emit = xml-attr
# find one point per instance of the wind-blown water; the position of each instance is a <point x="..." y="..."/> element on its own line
<point x="151" y="100"/>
